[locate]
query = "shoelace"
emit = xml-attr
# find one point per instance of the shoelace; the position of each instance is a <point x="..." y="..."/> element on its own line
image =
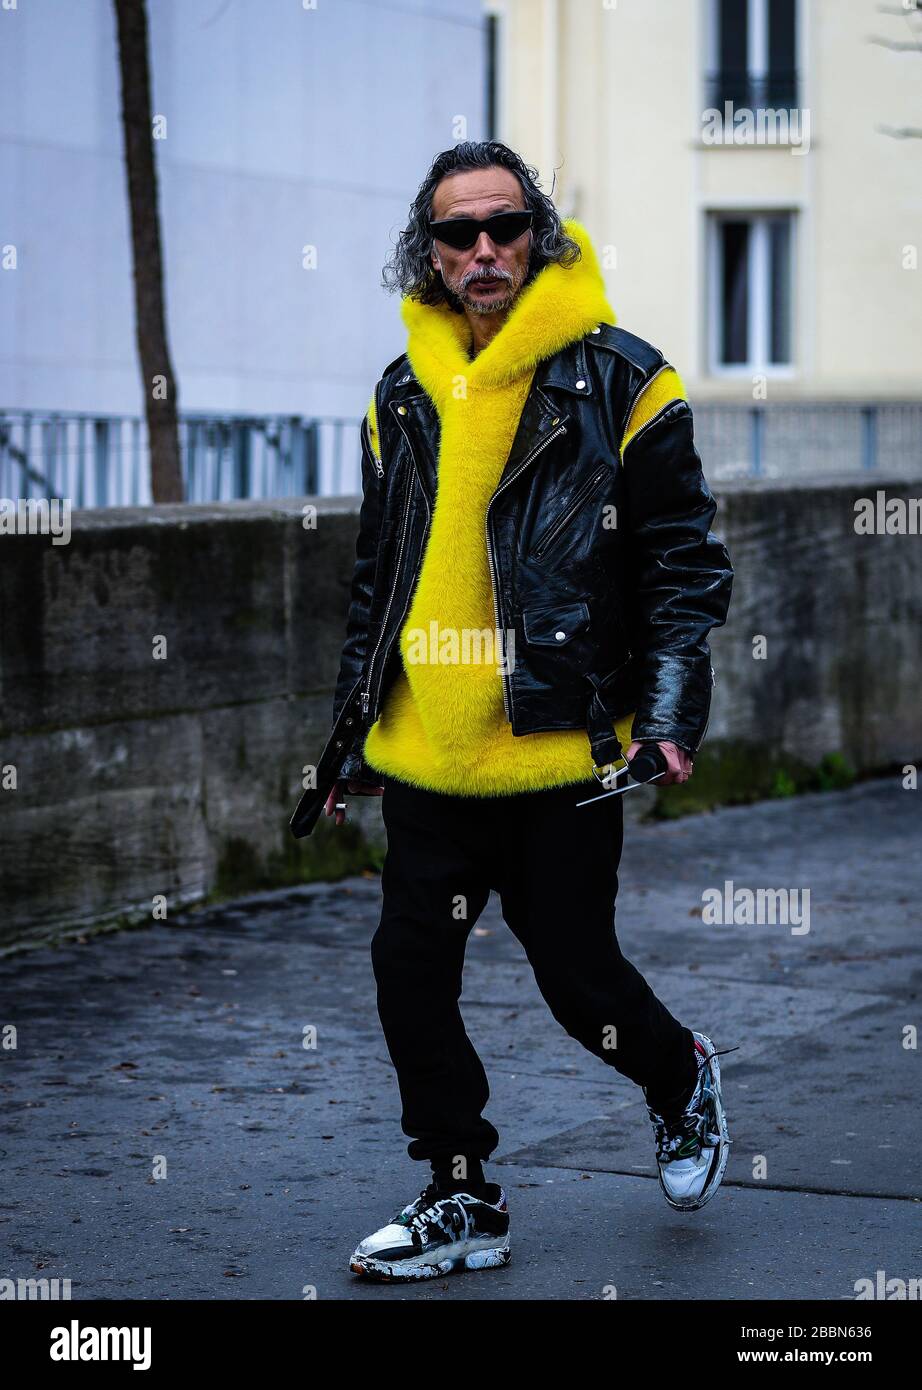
<point x="448" y="1212"/>
<point x="673" y="1134"/>
<point x="720" y="1052"/>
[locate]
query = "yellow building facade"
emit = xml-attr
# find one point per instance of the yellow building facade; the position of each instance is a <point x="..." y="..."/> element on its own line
<point x="776" y="262"/>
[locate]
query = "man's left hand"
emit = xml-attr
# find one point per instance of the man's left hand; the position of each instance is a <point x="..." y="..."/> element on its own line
<point x="678" y="761"/>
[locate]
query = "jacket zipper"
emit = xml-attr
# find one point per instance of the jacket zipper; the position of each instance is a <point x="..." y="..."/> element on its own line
<point x="654" y="420"/>
<point x="366" y="693"/>
<point x="556" y="526"/>
<point x="378" y="468"/>
<point x="378" y="465"/>
<point x="561" y="429"/>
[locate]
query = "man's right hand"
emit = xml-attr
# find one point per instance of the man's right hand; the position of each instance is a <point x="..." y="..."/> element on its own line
<point x="338" y="794"/>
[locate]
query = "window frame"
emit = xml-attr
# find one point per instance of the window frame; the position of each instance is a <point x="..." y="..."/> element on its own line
<point x="759" y="306"/>
<point x="757" y="48"/>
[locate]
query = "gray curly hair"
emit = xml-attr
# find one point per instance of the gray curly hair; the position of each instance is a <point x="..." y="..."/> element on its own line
<point x="410" y="269"/>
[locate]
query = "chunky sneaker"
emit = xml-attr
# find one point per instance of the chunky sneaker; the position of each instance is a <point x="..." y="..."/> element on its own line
<point x="693" y="1145"/>
<point x="438" y="1234"/>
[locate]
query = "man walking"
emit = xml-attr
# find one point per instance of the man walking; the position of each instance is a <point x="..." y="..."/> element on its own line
<point x="534" y="585"/>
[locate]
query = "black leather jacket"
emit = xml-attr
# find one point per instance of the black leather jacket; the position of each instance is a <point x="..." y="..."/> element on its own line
<point x="603" y="564"/>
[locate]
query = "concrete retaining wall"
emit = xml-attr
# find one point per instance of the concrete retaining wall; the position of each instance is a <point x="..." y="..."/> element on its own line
<point x="137" y="777"/>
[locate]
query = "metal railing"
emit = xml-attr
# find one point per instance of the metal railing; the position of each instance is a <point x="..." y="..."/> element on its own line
<point x="102" y="460"/>
<point x="809" y="439"/>
<point x="773" y="91"/>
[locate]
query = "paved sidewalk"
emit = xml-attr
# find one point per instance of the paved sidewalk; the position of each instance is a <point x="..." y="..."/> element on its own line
<point x="181" y="1045"/>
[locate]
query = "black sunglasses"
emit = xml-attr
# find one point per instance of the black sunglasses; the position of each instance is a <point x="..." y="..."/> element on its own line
<point x="462" y="232"/>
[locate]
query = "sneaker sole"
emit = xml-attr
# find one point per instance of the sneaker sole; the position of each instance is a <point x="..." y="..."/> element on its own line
<point x="405" y="1271"/>
<point x="723" y="1152"/>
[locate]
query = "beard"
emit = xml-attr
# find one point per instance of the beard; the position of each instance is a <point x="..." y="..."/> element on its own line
<point x="504" y="288"/>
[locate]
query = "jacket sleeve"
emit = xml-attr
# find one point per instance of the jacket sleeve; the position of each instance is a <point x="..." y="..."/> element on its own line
<point x="682" y="576"/>
<point x="355" y="647"/>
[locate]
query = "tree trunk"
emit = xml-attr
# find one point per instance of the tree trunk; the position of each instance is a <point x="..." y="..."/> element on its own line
<point x="158" y="383"/>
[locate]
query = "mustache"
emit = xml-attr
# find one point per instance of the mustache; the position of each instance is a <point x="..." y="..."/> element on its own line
<point x="485" y="274"/>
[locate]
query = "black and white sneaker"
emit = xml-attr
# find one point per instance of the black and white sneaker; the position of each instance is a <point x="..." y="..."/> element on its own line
<point x="438" y="1234"/>
<point x="693" y="1145"/>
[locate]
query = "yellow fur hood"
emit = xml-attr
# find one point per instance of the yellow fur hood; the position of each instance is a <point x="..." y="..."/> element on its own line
<point x="558" y="306"/>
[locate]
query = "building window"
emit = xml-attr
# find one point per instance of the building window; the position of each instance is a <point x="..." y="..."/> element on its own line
<point x="753" y="54"/>
<point x="751" y="268"/>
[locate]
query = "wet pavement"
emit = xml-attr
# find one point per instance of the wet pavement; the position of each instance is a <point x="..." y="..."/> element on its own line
<point x="166" y="1132"/>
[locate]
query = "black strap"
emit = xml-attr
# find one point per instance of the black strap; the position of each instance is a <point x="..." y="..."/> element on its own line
<point x="604" y="743"/>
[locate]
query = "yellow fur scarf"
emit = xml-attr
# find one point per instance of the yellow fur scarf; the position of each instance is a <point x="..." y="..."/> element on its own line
<point x="443" y="725"/>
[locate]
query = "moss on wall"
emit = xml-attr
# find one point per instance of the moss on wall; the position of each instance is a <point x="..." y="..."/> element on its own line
<point x="328" y="854"/>
<point x="735" y="773"/>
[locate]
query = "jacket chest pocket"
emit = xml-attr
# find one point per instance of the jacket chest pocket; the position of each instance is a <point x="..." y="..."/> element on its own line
<point x="559" y="524"/>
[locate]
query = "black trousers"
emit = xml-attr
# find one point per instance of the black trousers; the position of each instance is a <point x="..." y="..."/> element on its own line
<point x="555" y="868"/>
